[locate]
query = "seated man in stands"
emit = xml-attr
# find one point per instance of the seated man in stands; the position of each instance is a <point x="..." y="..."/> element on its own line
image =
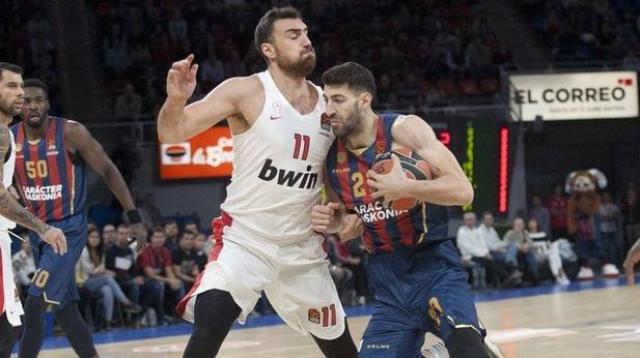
<point x="184" y="260"/>
<point x="155" y="262"/>
<point x="546" y="251"/>
<point x="473" y="248"/>
<point x="120" y="259"/>
<point x="519" y="237"/>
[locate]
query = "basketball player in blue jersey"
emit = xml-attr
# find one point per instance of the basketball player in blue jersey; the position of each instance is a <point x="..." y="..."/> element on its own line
<point x="11" y="212"/>
<point x="420" y="285"/>
<point x="50" y="175"/>
<point x="264" y="240"/>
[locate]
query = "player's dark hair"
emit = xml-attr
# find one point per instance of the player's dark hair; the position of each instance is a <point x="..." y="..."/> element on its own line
<point x="264" y="29"/>
<point x="188" y="232"/>
<point x="357" y="77"/>
<point x="95" y="254"/>
<point x="6" y="66"/>
<point x="157" y="229"/>
<point x="34" y="82"/>
<point x="123" y="226"/>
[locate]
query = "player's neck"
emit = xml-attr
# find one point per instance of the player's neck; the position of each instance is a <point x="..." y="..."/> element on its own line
<point x="289" y="85"/>
<point x="363" y="136"/>
<point x="5" y="119"/>
<point x="36" y="133"/>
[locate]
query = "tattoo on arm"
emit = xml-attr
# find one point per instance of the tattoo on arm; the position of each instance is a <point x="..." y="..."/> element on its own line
<point x="9" y="206"/>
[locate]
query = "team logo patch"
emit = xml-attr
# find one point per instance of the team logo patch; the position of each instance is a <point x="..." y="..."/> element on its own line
<point x="51" y="145"/>
<point x="18" y="147"/>
<point x="342" y="157"/>
<point x="314" y="316"/>
<point x="380" y="148"/>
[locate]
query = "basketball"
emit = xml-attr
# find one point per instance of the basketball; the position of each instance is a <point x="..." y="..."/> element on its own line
<point x="412" y="166"/>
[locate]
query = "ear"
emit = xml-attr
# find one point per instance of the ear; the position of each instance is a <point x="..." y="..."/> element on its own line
<point x="601" y="180"/>
<point x="365" y="99"/>
<point x="268" y="50"/>
<point x="567" y="184"/>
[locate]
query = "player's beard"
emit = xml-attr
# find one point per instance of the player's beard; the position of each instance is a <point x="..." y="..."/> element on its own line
<point x="350" y="124"/>
<point x="35" y="124"/>
<point x="10" y="109"/>
<point x="302" y="67"/>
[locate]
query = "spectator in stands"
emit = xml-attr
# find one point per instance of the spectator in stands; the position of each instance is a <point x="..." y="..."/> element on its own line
<point x="120" y="259"/>
<point x="610" y="221"/>
<point x="123" y="233"/>
<point x="212" y="71"/>
<point x="519" y="237"/>
<point x="630" y="209"/>
<point x="191" y="226"/>
<point x="342" y="276"/>
<point x="547" y="252"/>
<point x="478" y="56"/>
<point x="128" y="104"/>
<point x="23" y="267"/>
<point x="95" y="279"/>
<point x="557" y="206"/>
<point x="202" y="254"/>
<point x="155" y="263"/>
<point x="498" y="248"/>
<point x="108" y="235"/>
<point x="541" y="214"/>
<point x="473" y="248"/>
<point x="184" y="259"/>
<point x="457" y="62"/>
<point x="171" y="232"/>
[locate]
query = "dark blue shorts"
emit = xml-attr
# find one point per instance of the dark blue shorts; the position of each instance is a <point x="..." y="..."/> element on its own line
<point x="55" y="278"/>
<point x="417" y="290"/>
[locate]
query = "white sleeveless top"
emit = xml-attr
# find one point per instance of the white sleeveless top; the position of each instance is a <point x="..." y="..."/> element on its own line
<point x="278" y="169"/>
<point x="7" y="179"/>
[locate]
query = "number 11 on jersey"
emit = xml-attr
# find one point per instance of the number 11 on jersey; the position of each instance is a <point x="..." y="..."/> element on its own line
<point x="301" y="147"/>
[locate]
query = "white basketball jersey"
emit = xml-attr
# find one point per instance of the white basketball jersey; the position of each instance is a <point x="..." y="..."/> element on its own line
<point x="7" y="179"/>
<point x="278" y="168"/>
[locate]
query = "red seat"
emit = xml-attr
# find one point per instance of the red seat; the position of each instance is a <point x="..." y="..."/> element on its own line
<point x="469" y="87"/>
<point x="447" y="86"/>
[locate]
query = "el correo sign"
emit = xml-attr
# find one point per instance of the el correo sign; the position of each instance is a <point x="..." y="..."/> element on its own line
<point x="585" y="95"/>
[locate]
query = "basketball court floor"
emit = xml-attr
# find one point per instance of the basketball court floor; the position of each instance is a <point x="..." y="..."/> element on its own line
<point x="598" y="318"/>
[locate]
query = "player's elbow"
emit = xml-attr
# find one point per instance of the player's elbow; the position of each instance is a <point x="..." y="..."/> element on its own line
<point x="465" y="194"/>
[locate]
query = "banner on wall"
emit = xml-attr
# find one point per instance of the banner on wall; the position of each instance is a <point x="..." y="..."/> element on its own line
<point x="207" y="155"/>
<point x="583" y="95"/>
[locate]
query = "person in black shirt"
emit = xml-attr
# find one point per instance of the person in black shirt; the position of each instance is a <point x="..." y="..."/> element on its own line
<point x="121" y="260"/>
<point x="202" y="256"/>
<point x="184" y="259"/>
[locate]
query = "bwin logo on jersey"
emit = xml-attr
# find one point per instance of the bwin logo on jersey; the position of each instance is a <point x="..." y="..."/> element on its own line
<point x="289" y="178"/>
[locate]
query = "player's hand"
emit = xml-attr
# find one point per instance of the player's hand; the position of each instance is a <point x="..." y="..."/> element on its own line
<point x="633" y="257"/>
<point x="352" y="227"/>
<point x="391" y="186"/>
<point x="323" y="217"/>
<point x="174" y="284"/>
<point x="181" y="79"/>
<point x="139" y="232"/>
<point x="55" y="237"/>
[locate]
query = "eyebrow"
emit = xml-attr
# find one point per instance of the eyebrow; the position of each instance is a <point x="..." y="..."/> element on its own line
<point x="297" y="30"/>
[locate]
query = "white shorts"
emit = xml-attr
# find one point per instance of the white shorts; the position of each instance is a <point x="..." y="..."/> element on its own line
<point x="295" y="278"/>
<point x="9" y="300"/>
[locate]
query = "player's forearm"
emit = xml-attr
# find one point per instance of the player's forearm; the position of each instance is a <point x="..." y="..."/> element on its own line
<point x="12" y="210"/>
<point x="446" y="190"/>
<point x="116" y="183"/>
<point x="169" y="119"/>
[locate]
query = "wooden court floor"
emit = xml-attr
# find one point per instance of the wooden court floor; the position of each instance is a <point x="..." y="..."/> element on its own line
<point x="594" y="323"/>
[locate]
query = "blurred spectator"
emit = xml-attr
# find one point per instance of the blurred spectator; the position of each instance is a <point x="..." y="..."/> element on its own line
<point x="93" y="277"/>
<point x="610" y="221"/>
<point x="547" y="252"/>
<point x="342" y="277"/>
<point x="108" y="235"/>
<point x="519" y="237"/>
<point x="202" y="250"/>
<point x="120" y="259"/>
<point x="128" y="104"/>
<point x="557" y="205"/>
<point x="541" y="214"/>
<point x="630" y="209"/>
<point x="23" y="267"/>
<point x="171" y="232"/>
<point x="473" y="247"/>
<point x="184" y="260"/>
<point x="155" y="262"/>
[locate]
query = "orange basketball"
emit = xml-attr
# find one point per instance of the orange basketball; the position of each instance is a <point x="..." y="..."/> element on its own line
<point x="412" y="166"/>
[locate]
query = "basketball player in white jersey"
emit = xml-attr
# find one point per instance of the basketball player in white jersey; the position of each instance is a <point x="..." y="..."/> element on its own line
<point x="264" y="240"/>
<point x="11" y="93"/>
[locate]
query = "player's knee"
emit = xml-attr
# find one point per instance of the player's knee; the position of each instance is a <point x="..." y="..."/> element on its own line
<point x="466" y="343"/>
